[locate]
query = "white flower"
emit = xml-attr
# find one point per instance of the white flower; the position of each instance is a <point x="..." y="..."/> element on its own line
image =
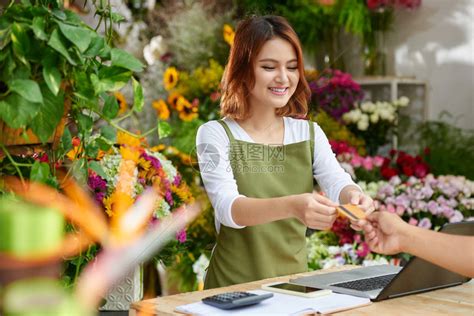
<point x="367" y="107"/>
<point x="363" y="124"/>
<point x="403" y="101"/>
<point x="200" y="266"/>
<point x="154" y="50"/>
<point x="375" y="262"/>
<point x="374" y="118"/>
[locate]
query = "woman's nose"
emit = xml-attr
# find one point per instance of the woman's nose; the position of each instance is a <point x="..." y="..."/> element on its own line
<point x="282" y="76"/>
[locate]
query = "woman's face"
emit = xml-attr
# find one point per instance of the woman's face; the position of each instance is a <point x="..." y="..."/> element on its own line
<point x="276" y="74"/>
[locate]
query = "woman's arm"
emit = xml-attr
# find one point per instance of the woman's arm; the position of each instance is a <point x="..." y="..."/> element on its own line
<point x="314" y="210"/>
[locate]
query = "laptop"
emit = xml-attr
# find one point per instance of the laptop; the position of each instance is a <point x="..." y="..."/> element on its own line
<point x="386" y="281"/>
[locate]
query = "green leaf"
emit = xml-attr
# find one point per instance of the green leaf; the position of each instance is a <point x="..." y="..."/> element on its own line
<point x="108" y="132"/>
<point x="73" y="18"/>
<point x="28" y="89"/>
<point x="49" y="115"/>
<point x="98" y="47"/>
<point x="21" y="42"/>
<point x="97" y="168"/>
<point x="117" y="18"/>
<point x="103" y="143"/>
<point x="66" y="141"/>
<point x="79" y="36"/>
<point x="85" y="122"/>
<point x="5" y="37"/>
<point x="84" y="87"/>
<point x="138" y="100"/>
<point x="121" y="58"/>
<point x="57" y="42"/>
<point x="92" y="150"/>
<point x="16" y="111"/>
<point x="40" y="172"/>
<point x="111" y="107"/>
<point x="52" y="77"/>
<point x="110" y="79"/>
<point x="38" y="28"/>
<point x="164" y="129"/>
<point x="59" y="14"/>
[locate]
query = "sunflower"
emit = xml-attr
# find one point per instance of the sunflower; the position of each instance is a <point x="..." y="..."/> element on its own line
<point x="187" y="111"/>
<point x="173" y="99"/>
<point x="161" y="109"/>
<point x="121" y="101"/>
<point x="170" y="78"/>
<point x="229" y="34"/>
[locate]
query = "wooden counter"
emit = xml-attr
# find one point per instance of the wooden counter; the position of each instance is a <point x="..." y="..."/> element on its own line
<point x="458" y="300"/>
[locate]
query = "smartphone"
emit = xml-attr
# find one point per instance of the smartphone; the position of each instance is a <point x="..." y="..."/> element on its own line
<point x="295" y="289"/>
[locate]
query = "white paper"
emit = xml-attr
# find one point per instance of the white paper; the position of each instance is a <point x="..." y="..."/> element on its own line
<point x="282" y="304"/>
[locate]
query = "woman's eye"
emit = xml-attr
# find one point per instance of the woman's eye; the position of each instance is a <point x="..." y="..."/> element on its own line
<point x="292" y="68"/>
<point x="268" y="67"/>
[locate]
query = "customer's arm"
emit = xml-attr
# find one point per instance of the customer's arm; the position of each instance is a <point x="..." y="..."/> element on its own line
<point x="387" y="233"/>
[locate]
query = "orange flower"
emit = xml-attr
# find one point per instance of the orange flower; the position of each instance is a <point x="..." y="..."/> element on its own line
<point x="187" y="111"/>
<point x="161" y="109"/>
<point x="121" y="101"/>
<point x="130" y="153"/>
<point x="170" y="78"/>
<point x="229" y="34"/>
<point x="127" y="139"/>
<point x="173" y="99"/>
<point x="76" y="149"/>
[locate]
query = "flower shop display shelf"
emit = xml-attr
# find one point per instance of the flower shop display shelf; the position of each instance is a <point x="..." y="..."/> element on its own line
<point x="388" y="88"/>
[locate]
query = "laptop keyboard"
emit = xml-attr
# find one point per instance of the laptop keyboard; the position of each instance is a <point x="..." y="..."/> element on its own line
<point x="368" y="284"/>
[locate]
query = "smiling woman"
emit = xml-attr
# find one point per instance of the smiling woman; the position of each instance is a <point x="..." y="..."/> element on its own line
<point x="261" y="183"/>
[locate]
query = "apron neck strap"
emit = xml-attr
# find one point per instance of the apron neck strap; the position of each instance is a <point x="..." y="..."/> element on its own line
<point x="311" y="138"/>
<point x="227" y="130"/>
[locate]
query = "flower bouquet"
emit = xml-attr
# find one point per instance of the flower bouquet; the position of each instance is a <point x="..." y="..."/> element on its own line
<point x="144" y="168"/>
<point x="373" y="121"/>
<point x="335" y="92"/>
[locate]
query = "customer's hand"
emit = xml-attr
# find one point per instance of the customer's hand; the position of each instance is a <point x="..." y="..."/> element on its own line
<point x="384" y="232"/>
<point x="364" y="202"/>
<point x="314" y="210"/>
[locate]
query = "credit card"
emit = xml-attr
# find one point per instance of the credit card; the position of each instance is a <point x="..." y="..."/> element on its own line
<point x="351" y="211"/>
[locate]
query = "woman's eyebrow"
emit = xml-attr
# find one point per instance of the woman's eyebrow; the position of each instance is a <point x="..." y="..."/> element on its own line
<point x="276" y="61"/>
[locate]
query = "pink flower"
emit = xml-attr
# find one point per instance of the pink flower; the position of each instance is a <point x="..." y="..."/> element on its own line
<point x="378" y="161"/>
<point x="390" y="208"/>
<point x="367" y="163"/>
<point x="413" y="221"/>
<point x="363" y="250"/>
<point x="400" y="210"/>
<point x="357" y="161"/>
<point x="181" y="236"/>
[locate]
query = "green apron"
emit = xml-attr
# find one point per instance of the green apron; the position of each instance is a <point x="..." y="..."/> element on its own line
<point x="273" y="249"/>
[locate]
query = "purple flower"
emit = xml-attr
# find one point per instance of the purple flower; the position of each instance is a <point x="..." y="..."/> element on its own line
<point x="96" y="183"/>
<point x="154" y="161"/>
<point x="99" y="197"/>
<point x="177" y="180"/>
<point x="181" y="236"/>
<point x="169" y="197"/>
<point x="457" y="217"/>
<point x="425" y="223"/>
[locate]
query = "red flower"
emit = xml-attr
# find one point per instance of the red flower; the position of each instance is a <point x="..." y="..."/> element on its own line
<point x="388" y="172"/>
<point x="76" y="141"/>
<point x="407" y="170"/>
<point x="421" y="170"/>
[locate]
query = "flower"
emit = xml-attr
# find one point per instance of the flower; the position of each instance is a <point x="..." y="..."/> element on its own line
<point x="170" y="78"/>
<point x="173" y="99"/>
<point x="154" y="50"/>
<point x="161" y="109"/>
<point x="229" y="34"/>
<point x="187" y="111"/>
<point x="335" y="92"/>
<point x="121" y="101"/>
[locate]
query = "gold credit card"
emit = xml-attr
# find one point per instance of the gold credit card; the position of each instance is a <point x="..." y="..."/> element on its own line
<point x="351" y="211"/>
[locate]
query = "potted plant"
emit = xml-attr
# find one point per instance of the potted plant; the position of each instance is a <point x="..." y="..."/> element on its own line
<point x="53" y="65"/>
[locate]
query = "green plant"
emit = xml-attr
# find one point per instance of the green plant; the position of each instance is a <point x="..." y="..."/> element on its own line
<point x="446" y="148"/>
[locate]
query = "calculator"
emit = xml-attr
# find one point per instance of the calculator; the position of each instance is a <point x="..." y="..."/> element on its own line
<point x="235" y="299"/>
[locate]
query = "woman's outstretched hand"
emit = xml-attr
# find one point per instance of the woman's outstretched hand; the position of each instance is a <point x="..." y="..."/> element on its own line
<point x="314" y="210"/>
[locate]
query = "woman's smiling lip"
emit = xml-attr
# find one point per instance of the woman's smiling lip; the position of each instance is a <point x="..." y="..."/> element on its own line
<point x="278" y="90"/>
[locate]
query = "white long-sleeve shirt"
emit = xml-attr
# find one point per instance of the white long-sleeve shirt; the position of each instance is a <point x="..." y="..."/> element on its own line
<point x="213" y="146"/>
